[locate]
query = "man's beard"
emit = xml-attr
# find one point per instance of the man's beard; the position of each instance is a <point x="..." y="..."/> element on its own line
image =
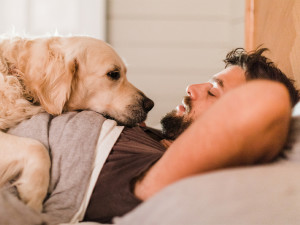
<point x="173" y="125"/>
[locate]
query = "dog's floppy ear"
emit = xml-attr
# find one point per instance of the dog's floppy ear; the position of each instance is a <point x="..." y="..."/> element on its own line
<point x="55" y="88"/>
<point x="3" y="65"/>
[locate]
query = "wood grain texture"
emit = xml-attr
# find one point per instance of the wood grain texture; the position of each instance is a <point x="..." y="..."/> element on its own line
<point x="275" y="24"/>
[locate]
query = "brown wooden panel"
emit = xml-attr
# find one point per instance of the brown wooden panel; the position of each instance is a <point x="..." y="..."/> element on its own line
<point x="276" y="25"/>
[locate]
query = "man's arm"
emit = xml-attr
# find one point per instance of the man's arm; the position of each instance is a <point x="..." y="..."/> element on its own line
<point x="248" y="125"/>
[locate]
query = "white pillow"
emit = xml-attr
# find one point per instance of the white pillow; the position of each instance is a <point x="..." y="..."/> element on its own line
<point x="296" y="110"/>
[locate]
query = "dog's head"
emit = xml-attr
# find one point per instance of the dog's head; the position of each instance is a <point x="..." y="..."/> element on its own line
<point x="74" y="73"/>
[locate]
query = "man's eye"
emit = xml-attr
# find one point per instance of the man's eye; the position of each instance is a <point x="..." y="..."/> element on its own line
<point x="115" y="75"/>
<point x="211" y="94"/>
<point x="214" y="92"/>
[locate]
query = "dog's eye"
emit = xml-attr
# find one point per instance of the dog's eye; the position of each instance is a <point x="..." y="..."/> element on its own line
<point x="115" y="75"/>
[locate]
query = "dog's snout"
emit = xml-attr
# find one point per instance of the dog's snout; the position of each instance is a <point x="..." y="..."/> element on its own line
<point x="147" y="104"/>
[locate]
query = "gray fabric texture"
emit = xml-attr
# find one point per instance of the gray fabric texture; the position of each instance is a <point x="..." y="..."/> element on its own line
<point x="266" y="195"/>
<point x="71" y="139"/>
<point x="14" y="212"/>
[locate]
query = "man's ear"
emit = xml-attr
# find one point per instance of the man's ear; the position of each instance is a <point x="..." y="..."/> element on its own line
<point x="55" y="88"/>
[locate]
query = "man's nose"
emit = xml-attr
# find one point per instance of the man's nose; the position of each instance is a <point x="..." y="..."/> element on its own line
<point x="197" y="90"/>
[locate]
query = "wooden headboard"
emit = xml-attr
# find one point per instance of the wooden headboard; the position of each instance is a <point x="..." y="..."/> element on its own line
<point x="276" y="25"/>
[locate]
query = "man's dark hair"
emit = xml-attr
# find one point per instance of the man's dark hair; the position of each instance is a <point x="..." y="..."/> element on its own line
<point x="257" y="66"/>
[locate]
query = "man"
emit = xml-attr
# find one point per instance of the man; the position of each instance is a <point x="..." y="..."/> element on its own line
<point x="255" y="66"/>
<point x="221" y="133"/>
<point x="222" y="123"/>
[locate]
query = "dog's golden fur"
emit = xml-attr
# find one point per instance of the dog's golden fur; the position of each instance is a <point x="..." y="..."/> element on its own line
<point x="69" y="73"/>
<point x="57" y="74"/>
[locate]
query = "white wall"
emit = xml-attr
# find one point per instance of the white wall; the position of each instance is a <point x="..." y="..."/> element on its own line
<point x="41" y="17"/>
<point x="169" y="44"/>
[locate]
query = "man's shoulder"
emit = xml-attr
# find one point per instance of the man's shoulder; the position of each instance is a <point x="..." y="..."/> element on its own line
<point x="41" y="125"/>
<point x="84" y="118"/>
<point x="141" y="130"/>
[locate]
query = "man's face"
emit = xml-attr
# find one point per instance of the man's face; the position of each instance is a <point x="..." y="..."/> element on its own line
<point x="199" y="98"/>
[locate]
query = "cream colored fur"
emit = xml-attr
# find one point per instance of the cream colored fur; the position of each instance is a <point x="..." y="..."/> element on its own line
<point x="57" y="74"/>
<point x="28" y="161"/>
<point x="14" y="108"/>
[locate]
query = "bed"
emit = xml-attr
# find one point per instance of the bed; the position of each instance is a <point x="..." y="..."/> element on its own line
<point x="262" y="194"/>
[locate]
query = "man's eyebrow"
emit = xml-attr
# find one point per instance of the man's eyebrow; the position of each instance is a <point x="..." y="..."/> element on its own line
<point x="219" y="81"/>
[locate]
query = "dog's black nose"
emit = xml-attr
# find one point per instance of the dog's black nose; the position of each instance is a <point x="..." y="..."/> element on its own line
<point x="147" y="104"/>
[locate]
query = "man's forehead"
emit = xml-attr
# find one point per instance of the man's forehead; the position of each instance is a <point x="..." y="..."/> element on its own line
<point x="231" y="76"/>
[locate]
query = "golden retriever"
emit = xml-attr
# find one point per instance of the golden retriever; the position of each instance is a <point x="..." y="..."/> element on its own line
<point x="57" y="74"/>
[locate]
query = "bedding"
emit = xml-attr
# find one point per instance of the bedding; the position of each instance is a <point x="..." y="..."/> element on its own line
<point x="268" y="195"/>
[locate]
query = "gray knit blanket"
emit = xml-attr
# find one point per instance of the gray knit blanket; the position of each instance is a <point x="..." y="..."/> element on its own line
<point x="71" y="140"/>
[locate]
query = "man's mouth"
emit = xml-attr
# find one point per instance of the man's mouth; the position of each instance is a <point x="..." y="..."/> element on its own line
<point x="185" y="106"/>
<point x="180" y="109"/>
<point x="186" y="102"/>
